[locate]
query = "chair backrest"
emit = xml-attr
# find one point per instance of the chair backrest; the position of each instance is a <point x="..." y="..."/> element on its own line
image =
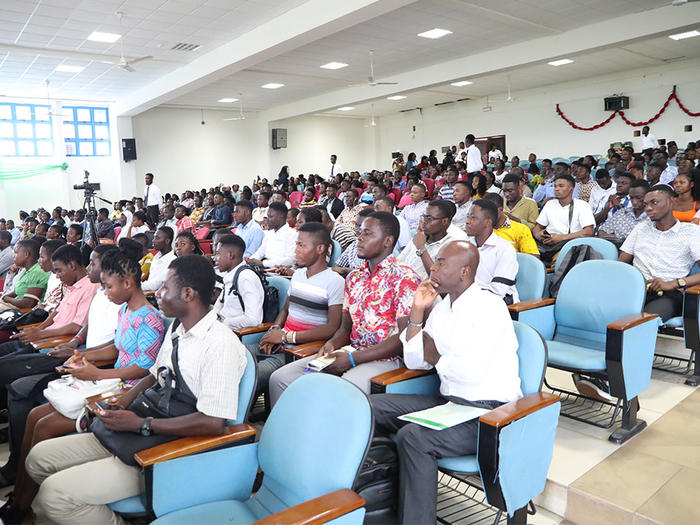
<point x="206" y="246"/>
<point x="335" y="254"/>
<point x="594" y="294"/>
<point x="531" y="277"/>
<point x="295" y="198"/>
<point x="246" y="388"/>
<point x="314" y="416"/>
<point x="429" y="185"/>
<point x="532" y="358"/>
<point x="282" y="285"/>
<point x="604" y="247"/>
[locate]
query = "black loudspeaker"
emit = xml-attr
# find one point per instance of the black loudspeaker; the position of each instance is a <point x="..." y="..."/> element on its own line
<point x="279" y="138"/>
<point x="616" y="103"/>
<point x="129" y="149"/>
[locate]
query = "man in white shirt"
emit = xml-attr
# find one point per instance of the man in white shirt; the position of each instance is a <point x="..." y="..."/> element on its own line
<point x="480" y="370"/>
<point x="649" y="142"/>
<point x="463" y="202"/>
<point x="563" y="218"/>
<point x="260" y="213"/>
<point x="7" y="254"/>
<point x="474" y="162"/>
<point x="241" y="301"/>
<point x="14" y="232"/>
<point x="162" y="241"/>
<point x="387" y="204"/>
<point x="495" y="153"/>
<point x="601" y="193"/>
<point x="334" y="168"/>
<point x="277" y="248"/>
<point x="498" y="262"/>
<point x="153" y="199"/>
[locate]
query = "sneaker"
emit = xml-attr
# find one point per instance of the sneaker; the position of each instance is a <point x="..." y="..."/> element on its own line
<point x="593" y="387"/>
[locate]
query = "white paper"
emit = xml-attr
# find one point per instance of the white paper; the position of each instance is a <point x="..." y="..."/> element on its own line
<point x="444" y="416"/>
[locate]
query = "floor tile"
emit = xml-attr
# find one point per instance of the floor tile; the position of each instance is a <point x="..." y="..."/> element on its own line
<point x="584" y="509"/>
<point x="676" y="502"/>
<point x="575" y="454"/>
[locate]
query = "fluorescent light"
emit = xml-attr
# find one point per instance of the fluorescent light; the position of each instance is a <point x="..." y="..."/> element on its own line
<point x="461" y="83"/>
<point x="334" y="65"/>
<point x="110" y="38"/>
<point x="687" y="34"/>
<point x="560" y="62"/>
<point x="69" y="69"/>
<point x="272" y="85"/>
<point x="396" y="97"/>
<point x="228" y="100"/>
<point x="435" y="33"/>
<point x="346" y="108"/>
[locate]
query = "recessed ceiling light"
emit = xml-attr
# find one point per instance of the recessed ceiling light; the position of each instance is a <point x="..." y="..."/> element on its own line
<point x="334" y="65"/>
<point x="561" y="62"/>
<point x="461" y="83"/>
<point x="396" y="97"/>
<point x="435" y="33"/>
<point x="228" y="100"/>
<point x="110" y="38"/>
<point x="272" y="85"/>
<point x="63" y="68"/>
<point x="687" y="34"/>
<point x="346" y="108"/>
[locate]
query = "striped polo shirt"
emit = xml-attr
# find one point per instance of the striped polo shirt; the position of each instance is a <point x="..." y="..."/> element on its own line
<point x="309" y="298"/>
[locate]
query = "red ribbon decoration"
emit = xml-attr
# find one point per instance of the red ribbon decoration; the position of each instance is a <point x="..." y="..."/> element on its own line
<point x="672" y="96"/>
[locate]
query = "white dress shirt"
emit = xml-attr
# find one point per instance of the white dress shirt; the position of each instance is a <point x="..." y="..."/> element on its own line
<point x="668" y="175"/>
<point x="497" y="258"/>
<point x="259" y="215"/>
<point x="460" y="218"/>
<point x="334" y="169"/>
<point x="409" y="256"/>
<point x="478" y="361"/>
<point x="7" y="259"/>
<point x="555" y="217"/>
<point x="649" y="142"/>
<point x="599" y="197"/>
<point x="230" y="306"/>
<point x="158" y="271"/>
<point x="495" y="154"/>
<point x="474" y="162"/>
<point x="277" y="247"/>
<point x="153" y="196"/>
<point x="103" y="317"/>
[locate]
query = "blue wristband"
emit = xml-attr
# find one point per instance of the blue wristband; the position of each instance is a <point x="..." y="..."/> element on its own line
<point x="352" y="361"/>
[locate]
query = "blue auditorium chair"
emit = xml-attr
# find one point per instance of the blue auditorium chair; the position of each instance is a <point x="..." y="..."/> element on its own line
<point x="596" y="327"/>
<point x="335" y="254"/>
<point x="531" y="277"/>
<point x="560" y="159"/>
<point x="307" y="484"/>
<point x="604" y="247"/>
<point x="252" y="334"/>
<point x="516" y="440"/>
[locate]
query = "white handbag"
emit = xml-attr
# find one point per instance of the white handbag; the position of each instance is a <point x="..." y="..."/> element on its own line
<point x="68" y="394"/>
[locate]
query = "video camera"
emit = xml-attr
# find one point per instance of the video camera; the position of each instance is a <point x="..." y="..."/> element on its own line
<point x="88" y="186"/>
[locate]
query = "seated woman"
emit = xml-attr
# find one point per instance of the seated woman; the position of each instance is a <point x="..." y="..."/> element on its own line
<point x="187" y="244"/>
<point x="685" y="206"/>
<point x="140" y="332"/>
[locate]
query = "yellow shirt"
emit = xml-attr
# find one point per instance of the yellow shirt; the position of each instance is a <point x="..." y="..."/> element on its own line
<point x="526" y="210"/>
<point x="519" y="235"/>
<point x="145" y="263"/>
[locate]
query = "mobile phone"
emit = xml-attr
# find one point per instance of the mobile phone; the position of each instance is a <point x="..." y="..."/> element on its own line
<point x="105" y="406"/>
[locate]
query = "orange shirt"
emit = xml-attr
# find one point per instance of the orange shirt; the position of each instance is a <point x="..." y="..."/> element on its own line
<point x="686" y="216"/>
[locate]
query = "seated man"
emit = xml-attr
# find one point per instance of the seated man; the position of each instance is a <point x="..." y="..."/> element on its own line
<point x="163" y="242"/>
<point x="78" y="475"/>
<point x="7" y="253"/>
<point x="387" y="204"/>
<point x="584" y="182"/>
<point x="30" y="286"/>
<point x="105" y="227"/>
<point x="432" y="235"/>
<point x="375" y="297"/>
<point x="602" y="194"/>
<point x="516" y="233"/>
<point x="414" y="211"/>
<point x="619" y="225"/>
<point x="463" y="202"/>
<point x="562" y="219"/>
<point x="447" y="190"/>
<point x="241" y="301"/>
<point x="313" y="308"/>
<point x="260" y="213"/>
<point x="498" y="264"/>
<point x="352" y="208"/>
<point x="277" y="248"/>
<point x="340" y="232"/>
<point x="334" y="206"/>
<point x="246" y="228"/>
<point x="465" y="364"/>
<point x="518" y="208"/>
<point x="169" y="219"/>
<point x="349" y="260"/>
<point x="604" y="207"/>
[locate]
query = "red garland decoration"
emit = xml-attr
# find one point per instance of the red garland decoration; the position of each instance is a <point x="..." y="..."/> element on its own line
<point x="672" y="96"/>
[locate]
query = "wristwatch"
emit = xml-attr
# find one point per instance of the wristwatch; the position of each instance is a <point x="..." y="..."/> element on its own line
<point x="420" y="252"/>
<point x="146" y="427"/>
<point x="682" y="283"/>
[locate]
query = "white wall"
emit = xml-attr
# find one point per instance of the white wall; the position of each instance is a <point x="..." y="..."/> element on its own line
<point x="531" y="124"/>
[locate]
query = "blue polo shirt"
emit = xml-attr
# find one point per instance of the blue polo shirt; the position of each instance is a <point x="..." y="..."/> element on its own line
<point x="253" y="236"/>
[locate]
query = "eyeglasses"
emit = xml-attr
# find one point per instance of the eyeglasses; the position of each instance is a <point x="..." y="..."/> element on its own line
<point x="428" y="218"/>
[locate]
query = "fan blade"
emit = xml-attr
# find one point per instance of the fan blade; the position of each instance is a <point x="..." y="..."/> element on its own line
<point x="385" y="83"/>
<point x="127" y="67"/>
<point x="137" y="60"/>
<point x="235" y="118"/>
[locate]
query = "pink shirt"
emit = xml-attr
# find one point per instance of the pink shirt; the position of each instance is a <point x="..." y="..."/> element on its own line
<point x="75" y="304"/>
<point x="184" y="224"/>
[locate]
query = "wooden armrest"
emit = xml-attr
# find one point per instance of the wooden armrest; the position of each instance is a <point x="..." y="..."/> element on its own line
<point x="240" y="332"/>
<point x="399" y="374"/>
<point x="192" y="444"/>
<point x="26" y="310"/>
<point x="501" y="416"/>
<point x="217" y="226"/>
<point x="693" y="290"/>
<point x="531" y="304"/>
<point x="106" y="362"/>
<point x="117" y="392"/>
<point x="51" y="342"/>
<point x="631" y="320"/>
<point x="318" y="510"/>
<point x="305" y="349"/>
<point x="32" y="325"/>
<point x="149" y="294"/>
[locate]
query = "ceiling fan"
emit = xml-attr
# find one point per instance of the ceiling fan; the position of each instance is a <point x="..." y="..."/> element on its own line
<point x="240" y="105"/>
<point x="372" y="123"/>
<point x="371" y="80"/>
<point x="509" y="98"/>
<point x="123" y="62"/>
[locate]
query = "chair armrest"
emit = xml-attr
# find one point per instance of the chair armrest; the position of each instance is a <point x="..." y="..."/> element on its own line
<point x="531" y="304"/>
<point x="51" y="342"/>
<point x="694" y="290"/>
<point x="149" y="294"/>
<point x="318" y="510"/>
<point x="501" y="416"/>
<point x="26" y="310"/>
<point x="631" y="321"/>
<point x="193" y="444"/>
<point x="305" y="349"/>
<point x="90" y="401"/>
<point x="240" y="332"/>
<point x="217" y="226"/>
<point x="106" y="362"/>
<point x="32" y="325"/>
<point x="399" y="374"/>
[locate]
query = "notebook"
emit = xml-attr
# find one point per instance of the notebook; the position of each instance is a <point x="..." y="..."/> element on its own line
<point x="444" y="416"/>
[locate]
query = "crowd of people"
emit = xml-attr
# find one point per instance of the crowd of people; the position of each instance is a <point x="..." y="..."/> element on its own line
<point x="382" y="267"/>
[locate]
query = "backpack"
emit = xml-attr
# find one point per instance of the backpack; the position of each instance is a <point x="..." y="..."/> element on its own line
<point x="377" y="481"/>
<point x="270" y="293"/>
<point x="577" y="254"/>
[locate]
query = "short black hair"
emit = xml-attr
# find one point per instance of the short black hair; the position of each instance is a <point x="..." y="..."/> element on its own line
<point x="389" y="224"/>
<point x="639" y="183"/>
<point x="140" y="215"/>
<point x="131" y="248"/>
<point x="563" y="164"/>
<point x="101" y="249"/>
<point x="664" y="188"/>
<point x="196" y="272"/>
<point x="601" y="174"/>
<point x="245" y="204"/>
<point x="68" y="254"/>
<point x="233" y="242"/>
<point x="466" y="185"/>
<point x="625" y="174"/>
<point x="444" y="208"/>
<point x="490" y="208"/>
<point x="566" y="177"/>
<point x="388" y="200"/>
<point x="511" y="178"/>
<point x="332" y="185"/>
<point x="52" y="245"/>
<point x="279" y="207"/>
<point x="365" y="212"/>
<point x="319" y="231"/>
<point x="495" y="198"/>
<point x="311" y="214"/>
<point x="5" y="236"/>
<point x="293" y="211"/>
<point x="31" y="246"/>
<point x="168" y="231"/>
<point x="103" y="211"/>
<point x="381" y="188"/>
<point x="78" y="228"/>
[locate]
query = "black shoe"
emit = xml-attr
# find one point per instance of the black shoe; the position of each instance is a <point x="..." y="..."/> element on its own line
<point x="14" y="515"/>
<point x="594" y="388"/>
<point x="4" y="435"/>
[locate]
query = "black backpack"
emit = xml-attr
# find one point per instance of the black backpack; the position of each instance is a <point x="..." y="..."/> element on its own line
<point x="577" y="254"/>
<point x="378" y="483"/>
<point x="271" y="295"/>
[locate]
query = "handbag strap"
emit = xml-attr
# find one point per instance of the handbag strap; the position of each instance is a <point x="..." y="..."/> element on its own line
<point x="180" y="382"/>
<point x="571" y="214"/>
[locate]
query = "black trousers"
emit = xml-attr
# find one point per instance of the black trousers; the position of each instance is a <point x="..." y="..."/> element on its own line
<point x="419" y="449"/>
<point x="668" y="305"/>
<point x="22" y="363"/>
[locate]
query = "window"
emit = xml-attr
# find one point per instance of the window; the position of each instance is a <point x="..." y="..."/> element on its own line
<point x="25" y="130"/>
<point x="86" y="131"/>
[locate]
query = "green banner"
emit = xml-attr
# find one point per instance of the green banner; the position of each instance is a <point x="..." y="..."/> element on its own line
<point x="18" y="172"/>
